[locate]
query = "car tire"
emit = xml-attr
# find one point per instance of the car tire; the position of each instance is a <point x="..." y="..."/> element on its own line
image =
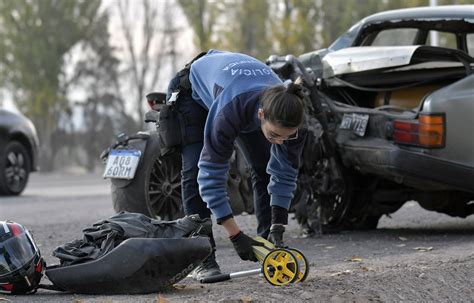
<point x="15" y="167"/>
<point x="350" y="209"/>
<point x="363" y="222"/>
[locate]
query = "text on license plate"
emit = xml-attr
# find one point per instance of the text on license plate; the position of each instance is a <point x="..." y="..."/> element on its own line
<point x="122" y="164"/>
<point x="355" y="122"/>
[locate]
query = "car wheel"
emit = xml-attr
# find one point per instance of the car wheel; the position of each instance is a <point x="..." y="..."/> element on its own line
<point x="364" y="222"/>
<point x="347" y="209"/>
<point x="355" y="212"/>
<point x="15" y="166"/>
<point x="306" y="211"/>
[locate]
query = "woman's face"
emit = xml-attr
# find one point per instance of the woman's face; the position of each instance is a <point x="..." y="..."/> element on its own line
<point x="274" y="133"/>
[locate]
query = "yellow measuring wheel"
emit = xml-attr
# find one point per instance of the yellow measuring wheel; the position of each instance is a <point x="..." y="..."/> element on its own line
<point x="303" y="265"/>
<point x="289" y="259"/>
<point x="280" y="267"/>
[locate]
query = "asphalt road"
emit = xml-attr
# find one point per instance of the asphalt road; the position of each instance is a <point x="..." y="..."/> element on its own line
<point x="415" y="255"/>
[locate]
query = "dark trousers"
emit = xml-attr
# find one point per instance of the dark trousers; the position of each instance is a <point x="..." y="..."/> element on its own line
<point x="254" y="146"/>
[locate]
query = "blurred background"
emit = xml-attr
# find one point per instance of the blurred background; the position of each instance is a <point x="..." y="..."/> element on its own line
<point x="80" y="69"/>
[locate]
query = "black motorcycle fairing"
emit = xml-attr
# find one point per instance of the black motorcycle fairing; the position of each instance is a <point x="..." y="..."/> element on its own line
<point x="136" y="266"/>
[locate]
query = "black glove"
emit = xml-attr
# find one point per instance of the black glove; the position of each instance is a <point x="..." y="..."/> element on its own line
<point x="243" y="246"/>
<point x="276" y="235"/>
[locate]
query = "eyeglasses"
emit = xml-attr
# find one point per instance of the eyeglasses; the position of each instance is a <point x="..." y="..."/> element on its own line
<point x="290" y="137"/>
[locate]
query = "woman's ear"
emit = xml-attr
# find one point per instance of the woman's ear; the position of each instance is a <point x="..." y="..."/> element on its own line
<point x="260" y="114"/>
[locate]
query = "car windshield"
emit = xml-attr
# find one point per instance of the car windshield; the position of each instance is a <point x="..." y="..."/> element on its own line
<point x="470" y="44"/>
<point x="395" y="36"/>
<point x="407" y="36"/>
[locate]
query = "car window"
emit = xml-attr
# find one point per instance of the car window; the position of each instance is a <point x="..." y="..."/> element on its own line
<point x="396" y="36"/>
<point x="445" y="39"/>
<point x="470" y="44"/>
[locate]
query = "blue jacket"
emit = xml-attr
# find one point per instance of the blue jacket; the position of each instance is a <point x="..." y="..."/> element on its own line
<point x="229" y="85"/>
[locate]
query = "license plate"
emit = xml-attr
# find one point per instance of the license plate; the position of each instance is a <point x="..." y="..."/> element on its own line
<point x="355" y="122"/>
<point x="122" y="163"/>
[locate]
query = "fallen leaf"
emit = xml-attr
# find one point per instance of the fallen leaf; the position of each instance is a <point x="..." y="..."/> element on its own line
<point x="339" y="273"/>
<point x="179" y="286"/>
<point x="246" y="299"/>
<point x="160" y="299"/>
<point x="317" y="245"/>
<point x="365" y="268"/>
<point x="402" y="238"/>
<point x="401" y="245"/>
<point x="423" y="249"/>
<point x="354" y="259"/>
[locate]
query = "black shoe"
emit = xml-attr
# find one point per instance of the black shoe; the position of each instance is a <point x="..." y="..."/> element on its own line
<point x="208" y="268"/>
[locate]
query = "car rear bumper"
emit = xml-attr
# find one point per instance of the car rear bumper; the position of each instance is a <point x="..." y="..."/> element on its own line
<point x="413" y="168"/>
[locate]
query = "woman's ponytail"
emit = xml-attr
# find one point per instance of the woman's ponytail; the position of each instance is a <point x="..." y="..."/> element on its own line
<point x="283" y="104"/>
<point x="295" y="89"/>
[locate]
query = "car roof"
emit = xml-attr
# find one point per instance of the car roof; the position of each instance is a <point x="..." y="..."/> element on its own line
<point x="429" y="12"/>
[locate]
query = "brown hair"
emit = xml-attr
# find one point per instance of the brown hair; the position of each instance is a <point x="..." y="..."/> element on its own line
<point x="283" y="105"/>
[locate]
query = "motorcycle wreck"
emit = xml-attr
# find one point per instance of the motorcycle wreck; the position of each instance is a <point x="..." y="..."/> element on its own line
<point x="364" y="157"/>
<point x="127" y="253"/>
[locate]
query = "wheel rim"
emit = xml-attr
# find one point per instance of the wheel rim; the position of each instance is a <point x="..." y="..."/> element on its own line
<point x="16" y="170"/>
<point x="280" y="267"/>
<point x="334" y="207"/>
<point x="164" y="190"/>
<point x="320" y="210"/>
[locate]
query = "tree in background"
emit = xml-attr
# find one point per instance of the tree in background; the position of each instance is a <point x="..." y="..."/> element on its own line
<point x="149" y="43"/>
<point x="293" y="26"/>
<point x="35" y="36"/>
<point x="103" y="109"/>
<point x="202" y="16"/>
<point x="258" y="28"/>
<point x="244" y="28"/>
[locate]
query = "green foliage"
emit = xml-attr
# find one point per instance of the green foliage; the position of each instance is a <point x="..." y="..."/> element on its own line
<point x="35" y="36"/>
<point x="244" y="29"/>
<point x="293" y="26"/>
<point x="202" y="16"/>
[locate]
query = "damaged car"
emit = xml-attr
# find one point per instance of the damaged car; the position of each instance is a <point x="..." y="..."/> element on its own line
<point x="400" y="112"/>
<point x="388" y="115"/>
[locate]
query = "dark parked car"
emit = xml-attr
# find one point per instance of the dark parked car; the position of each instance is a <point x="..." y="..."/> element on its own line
<point x="18" y="152"/>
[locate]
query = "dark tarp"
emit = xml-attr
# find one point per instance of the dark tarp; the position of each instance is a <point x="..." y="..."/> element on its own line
<point x="105" y="235"/>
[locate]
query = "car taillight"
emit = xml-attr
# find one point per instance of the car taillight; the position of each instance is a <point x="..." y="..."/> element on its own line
<point x="428" y="131"/>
